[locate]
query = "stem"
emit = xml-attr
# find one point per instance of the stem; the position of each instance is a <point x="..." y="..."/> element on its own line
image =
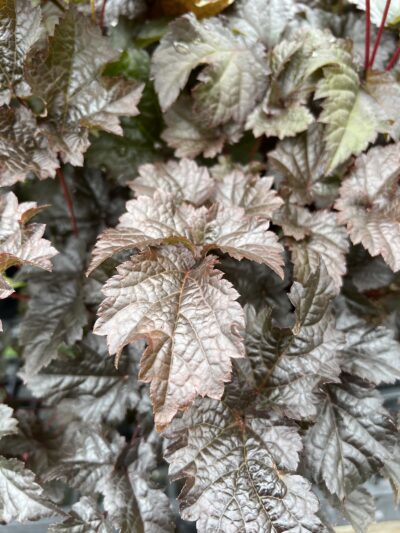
<point x="367" y="33"/>
<point x="19" y="296"/>
<point x="68" y="200"/>
<point x="394" y="59"/>
<point x="379" y="34"/>
<point x="102" y="14"/>
<point x="255" y="148"/>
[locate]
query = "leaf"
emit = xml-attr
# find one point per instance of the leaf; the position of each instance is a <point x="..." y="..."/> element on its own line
<point x="263" y="20"/>
<point x="21" y="498"/>
<point x="368" y="203"/>
<point x="317" y="239"/>
<point x="19" y="29"/>
<point x="290" y="364"/>
<point x="8" y="424"/>
<point x="55" y="318"/>
<point x="377" y="9"/>
<point x="40" y="442"/>
<point x="115" y="9"/>
<point x="184" y="180"/>
<point x="230" y="85"/>
<point x="22" y="243"/>
<point x="385" y="89"/>
<point x="155" y="221"/>
<point x="66" y="77"/>
<point x="147" y="222"/>
<point x="280" y="123"/>
<point x="241" y="236"/>
<point x="84" y="517"/>
<point x="189" y="137"/>
<point x="353" y="118"/>
<point x="359" y="509"/>
<point x="302" y="163"/>
<point x="133" y="501"/>
<point x="351" y="438"/>
<point x="88" y="385"/>
<point x="371" y="352"/>
<point x="293" y="65"/>
<point x="189" y="318"/>
<point x="249" y="191"/>
<point x="22" y="151"/>
<point x="237" y="468"/>
<point x="91" y="459"/>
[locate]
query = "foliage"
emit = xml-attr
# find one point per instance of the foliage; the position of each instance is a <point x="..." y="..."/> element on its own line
<point x="212" y="277"/>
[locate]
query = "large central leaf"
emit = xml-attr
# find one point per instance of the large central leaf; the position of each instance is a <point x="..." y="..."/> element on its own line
<point x="188" y="316"/>
<point x="238" y="472"/>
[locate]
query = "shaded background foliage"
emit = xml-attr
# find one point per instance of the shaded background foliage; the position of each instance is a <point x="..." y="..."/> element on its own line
<point x="229" y="172"/>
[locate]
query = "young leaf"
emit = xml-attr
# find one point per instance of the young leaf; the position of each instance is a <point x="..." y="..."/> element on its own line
<point x="188" y="316"/>
<point x="21" y="498"/>
<point x="249" y="191"/>
<point x="289" y="365"/>
<point x="293" y="63"/>
<point x="369" y="203"/>
<point x="22" y="150"/>
<point x="351" y="439"/>
<point x="233" y="462"/>
<point x="89" y="385"/>
<point x="230" y="85"/>
<point x="19" y="30"/>
<point x="184" y="180"/>
<point x="66" y="77"/>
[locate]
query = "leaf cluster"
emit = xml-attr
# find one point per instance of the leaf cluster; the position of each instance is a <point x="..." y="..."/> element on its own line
<point x="211" y="281"/>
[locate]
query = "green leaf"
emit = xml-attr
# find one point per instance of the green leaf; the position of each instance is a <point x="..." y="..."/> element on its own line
<point x="353" y="118"/>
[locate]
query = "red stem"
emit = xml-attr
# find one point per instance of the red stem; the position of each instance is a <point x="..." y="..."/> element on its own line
<point x="367" y="32"/>
<point x="68" y="199"/>
<point x="394" y="59"/>
<point x="102" y="14"/>
<point x="379" y="34"/>
<point x="19" y="296"/>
